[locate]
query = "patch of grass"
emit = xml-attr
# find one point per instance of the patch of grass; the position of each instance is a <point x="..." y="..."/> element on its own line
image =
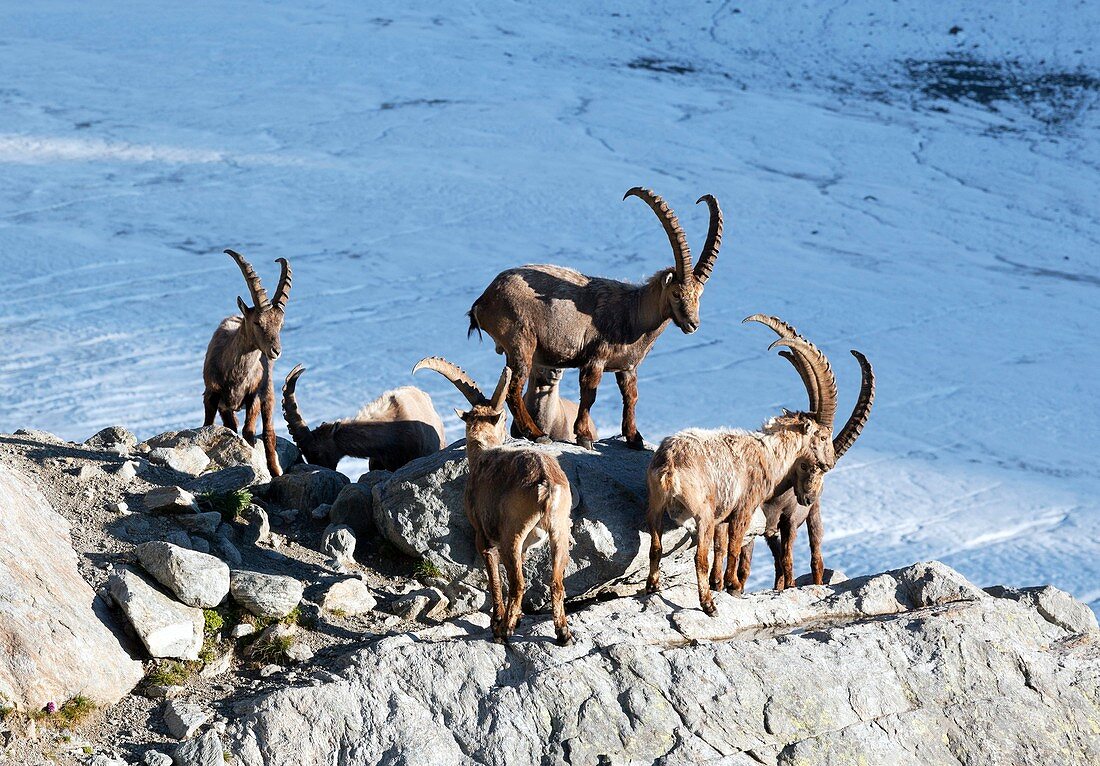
<point x="213" y="622"/>
<point x="273" y="649"/>
<point x="229" y="504"/>
<point x="73" y="712"/>
<point x="5" y="711"/>
<point x="425" y="569"/>
<point x="293" y="617"/>
<point x="337" y="612"/>
<point x="172" y="673"/>
<point x="88" y="750"/>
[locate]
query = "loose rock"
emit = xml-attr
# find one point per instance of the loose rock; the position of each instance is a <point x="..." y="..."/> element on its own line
<point x="191" y="460"/>
<point x="306" y="486"/>
<point x="353" y="507"/>
<point x="170" y="500"/>
<point x="166" y="627"/>
<point x="196" y="578"/>
<point x="351" y="597"/>
<point x="207" y="750"/>
<point x="184" y="719"/>
<point x="339" y="543"/>
<point x="265" y="595"/>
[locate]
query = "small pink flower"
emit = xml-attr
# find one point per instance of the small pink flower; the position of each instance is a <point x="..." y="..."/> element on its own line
<point x="51" y="707"/>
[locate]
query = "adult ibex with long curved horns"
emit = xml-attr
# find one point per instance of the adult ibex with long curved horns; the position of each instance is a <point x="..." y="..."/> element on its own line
<point x="396" y="428"/>
<point x="549" y="316"/>
<point x="782" y="512"/>
<point x="515" y="497"/>
<point x="722" y="476"/>
<point x="240" y="357"/>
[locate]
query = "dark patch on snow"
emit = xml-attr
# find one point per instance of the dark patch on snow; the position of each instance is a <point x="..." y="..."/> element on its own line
<point x="653" y="64"/>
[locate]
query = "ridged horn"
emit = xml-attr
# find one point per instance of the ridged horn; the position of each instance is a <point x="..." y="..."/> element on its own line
<point x="456" y="375"/>
<point x="817" y="366"/>
<point x="785" y="330"/>
<point x="282" y="292"/>
<point x="714" y="239"/>
<point x="671" y="223"/>
<point x="299" y="429"/>
<point x="255" y="287"/>
<point x="497" y="400"/>
<point x="858" y="419"/>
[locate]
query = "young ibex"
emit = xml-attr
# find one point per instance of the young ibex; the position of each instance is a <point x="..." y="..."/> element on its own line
<point x="783" y="512"/>
<point x="549" y="316"/>
<point x="240" y="357"/>
<point x="396" y="428"/>
<point x="513" y="496"/>
<point x="552" y="414"/>
<point x="722" y="476"/>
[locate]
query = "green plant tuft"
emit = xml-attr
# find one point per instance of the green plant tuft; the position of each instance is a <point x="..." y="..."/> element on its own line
<point x="229" y="504"/>
<point x="273" y="649"/>
<point x="425" y="569"/>
<point x="213" y="622"/>
<point x="172" y="673"/>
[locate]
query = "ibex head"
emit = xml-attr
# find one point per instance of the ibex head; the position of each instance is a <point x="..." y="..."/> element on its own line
<point x="264" y="320"/>
<point x="485" y="420"/>
<point x="821" y="449"/>
<point x="318" y="445"/>
<point x="684" y="285"/>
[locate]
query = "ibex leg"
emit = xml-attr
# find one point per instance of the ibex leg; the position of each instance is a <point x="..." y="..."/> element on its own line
<point x="583" y="428"/>
<point x="628" y="387"/>
<point x="519" y="361"/>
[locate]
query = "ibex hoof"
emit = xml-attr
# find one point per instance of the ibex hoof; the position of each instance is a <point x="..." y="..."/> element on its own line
<point x="652" y="587"/>
<point x="544" y="440"/>
<point x="635" y="442"/>
<point x="735" y="592"/>
<point x="565" y="638"/>
<point x="586" y="443"/>
<point x="710" y="609"/>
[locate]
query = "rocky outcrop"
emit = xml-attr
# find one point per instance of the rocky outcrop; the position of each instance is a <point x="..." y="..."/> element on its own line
<point x="222" y="447"/>
<point x="306" y="487"/>
<point x="54" y="636"/>
<point x="915" y="666"/>
<point x="420" y="510"/>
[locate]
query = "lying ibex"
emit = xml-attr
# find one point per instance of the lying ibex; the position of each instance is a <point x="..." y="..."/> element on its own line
<point x="240" y="357"/>
<point x="549" y="316"/>
<point x="552" y="414"/>
<point x="722" y="476"/>
<point x="783" y="512"/>
<point x="396" y="428"/>
<point x="515" y="497"/>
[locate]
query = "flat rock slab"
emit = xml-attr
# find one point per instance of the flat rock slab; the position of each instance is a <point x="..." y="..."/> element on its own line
<point x="167" y="628"/>
<point x="196" y="579"/>
<point x="420" y="509"/>
<point x="54" y="636"/>
<point x="265" y="595"/>
<point x="915" y="666"/>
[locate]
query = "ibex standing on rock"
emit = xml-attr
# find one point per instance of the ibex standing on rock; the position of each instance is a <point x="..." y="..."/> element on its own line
<point x="552" y="414"/>
<point x="515" y="497"/>
<point x="783" y="512"/>
<point x="548" y="316"/>
<point x="240" y="357"/>
<point x="722" y="476"/>
<point x="396" y="428"/>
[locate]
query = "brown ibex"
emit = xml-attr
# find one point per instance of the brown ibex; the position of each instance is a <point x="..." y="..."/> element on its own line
<point x="512" y="494"/>
<point x="783" y="512"/>
<point x="396" y="428"/>
<point x="553" y="415"/>
<point x="240" y="357"/>
<point x="549" y="316"/>
<point x="722" y="476"/>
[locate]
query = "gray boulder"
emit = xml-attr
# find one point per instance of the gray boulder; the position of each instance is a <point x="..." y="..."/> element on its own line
<point x="338" y="542"/>
<point x="166" y="627"/>
<point x="421" y="511"/>
<point x="113" y="438"/>
<point x="170" y="500"/>
<point x="223" y="480"/>
<point x="1055" y="605"/>
<point x="305" y="487"/>
<point x="191" y="460"/>
<point x="258" y="529"/>
<point x="197" y="579"/>
<point x="204" y="524"/>
<point x="350" y="597"/>
<point x="265" y="595"/>
<point x="55" y="641"/>
<point x="206" y="750"/>
<point x="353" y="508"/>
<point x="184" y="719"/>
<point x="829" y="577"/>
<point x="914" y="666"/>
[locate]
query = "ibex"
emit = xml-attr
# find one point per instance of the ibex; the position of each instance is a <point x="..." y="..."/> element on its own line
<point x="515" y="497"/>
<point x="240" y="357"/>
<point x="722" y="476"/>
<point x="783" y="512"/>
<point x="396" y="428"/>
<point x="548" y="316"/>
<point x="552" y="414"/>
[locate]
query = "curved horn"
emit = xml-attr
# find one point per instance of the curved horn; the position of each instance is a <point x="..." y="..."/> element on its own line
<point x="817" y="366"/>
<point x="784" y="330"/>
<point x="675" y="233"/>
<point x="299" y="429"/>
<point x="497" y="400"/>
<point x="455" y="374"/>
<point x="858" y="419"/>
<point x="714" y="239"/>
<point x="282" y="292"/>
<point x="255" y="287"/>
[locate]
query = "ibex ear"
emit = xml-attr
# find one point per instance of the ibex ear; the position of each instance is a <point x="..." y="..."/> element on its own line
<point x="242" y="305"/>
<point x="669" y="278"/>
<point x="461" y="414"/>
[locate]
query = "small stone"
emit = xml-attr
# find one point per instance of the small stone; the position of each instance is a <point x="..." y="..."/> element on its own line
<point x="829" y="577"/>
<point x="242" y="629"/>
<point x="258" y="531"/>
<point x="269" y="670"/>
<point x="219" y="666"/>
<point x="191" y="460"/>
<point x="112" y="436"/>
<point x="204" y="524"/>
<point x="162" y="691"/>
<point x="120" y="507"/>
<point x="87" y="472"/>
<point x="299" y="653"/>
<point x="128" y="471"/>
<point x="339" y="543"/>
<point x="200" y="544"/>
<point x="170" y="500"/>
<point x="225" y="548"/>
<point x="265" y="595"/>
<point x="166" y="627"/>
<point x="196" y="578"/>
<point x="410" y="607"/>
<point x="184" y="719"/>
<point x="225" y="480"/>
<point x="351" y="597"/>
<point x="179" y="537"/>
<point x="321" y="512"/>
<point x="155" y="758"/>
<point x="207" y="750"/>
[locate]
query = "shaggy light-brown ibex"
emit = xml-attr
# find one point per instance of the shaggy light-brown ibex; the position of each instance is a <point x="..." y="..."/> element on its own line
<point x="240" y="357"/>
<point x="396" y="428"/>
<point x="512" y="494"/>
<point x="548" y="316"/>
<point x="553" y="415"/>
<point x="783" y="512"/>
<point x="722" y="476"/>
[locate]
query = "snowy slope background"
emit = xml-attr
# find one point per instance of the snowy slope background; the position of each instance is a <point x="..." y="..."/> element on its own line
<point x="916" y="180"/>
